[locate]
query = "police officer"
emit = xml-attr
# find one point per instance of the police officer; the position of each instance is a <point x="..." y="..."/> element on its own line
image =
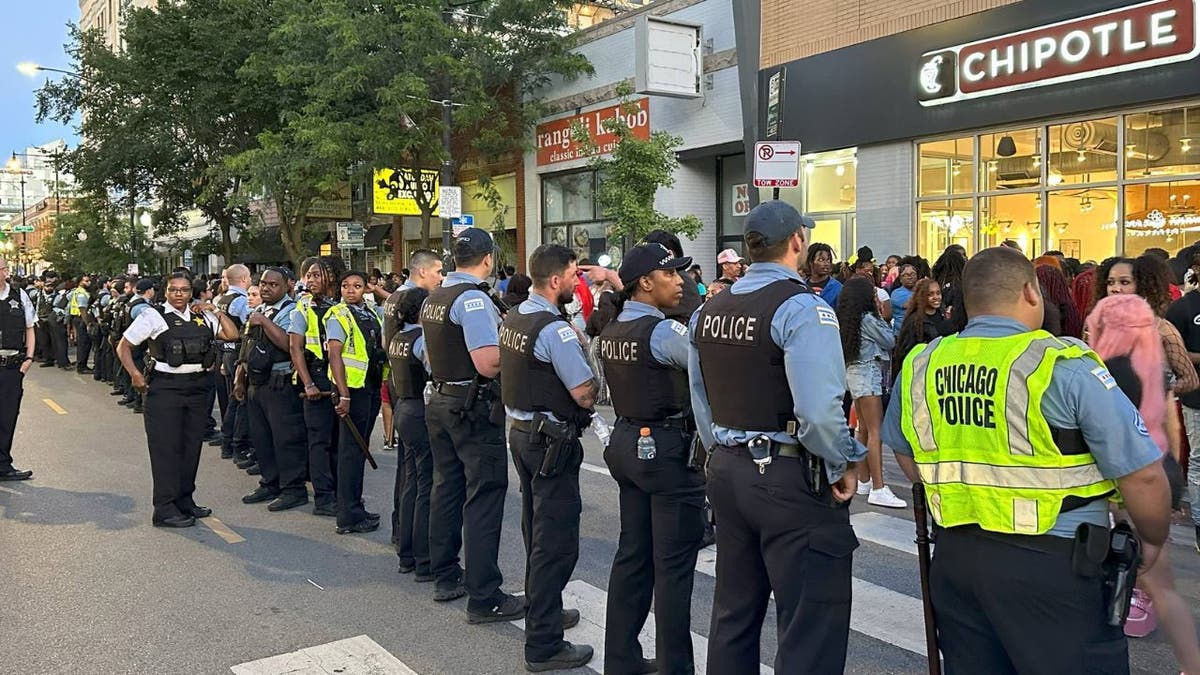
<point x="306" y="336"/>
<point x="181" y="342"/>
<point x="235" y="425"/>
<point x="98" y="329"/>
<point x="466" y="434"/>
<point x="16" y="356"/>
<point x="781" y="473"/>
<point x="414" y="467"/>
<point x="1020" y="438"/>
<point x="58" y="320"/>
<point x="274" y="408"/>
<point x="143" y="301"/>
<point x="80" y="318"/>
<point x="549" y="392"/>
<point x="122" y="294"/>
<point x="41" y="307"/>
<point x="645" y="358"/>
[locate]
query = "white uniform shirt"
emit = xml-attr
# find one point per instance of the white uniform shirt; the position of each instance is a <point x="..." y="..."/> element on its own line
<point x="149" y="325"/>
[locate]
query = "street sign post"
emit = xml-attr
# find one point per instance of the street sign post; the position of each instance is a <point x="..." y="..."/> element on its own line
<point x="350" y="236"/>
<point x="450" y="201"/>
<point x="461" y="223"/>
<point x="777" y="164"/>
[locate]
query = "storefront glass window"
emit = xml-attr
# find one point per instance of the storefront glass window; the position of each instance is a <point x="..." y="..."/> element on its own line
<point x="942" y="223"/>
<point x="1162" y="143"/>
<point x="830" y="182"/>
<point x="947" y="167"/>
<point x="1016" y="218"/>
<point x="1010" y="160"/>
<point x="1161" y="215"/>
<point x="1082" y="223"/>
<point x="568" y="198"/>
<point x="1083" y="152"/>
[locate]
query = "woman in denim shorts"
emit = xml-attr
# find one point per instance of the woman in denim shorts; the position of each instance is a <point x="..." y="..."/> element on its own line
<point x="867" y="340"/>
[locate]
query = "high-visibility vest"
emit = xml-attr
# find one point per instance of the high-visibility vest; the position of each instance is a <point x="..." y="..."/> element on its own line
<point x="356" y="356"/>
<point x="313" y="335"/>
<point x="972" y="414"/>
<point x="76" y="294"/>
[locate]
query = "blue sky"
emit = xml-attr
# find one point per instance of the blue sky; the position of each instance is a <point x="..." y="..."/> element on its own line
<point x="35" y="30"/>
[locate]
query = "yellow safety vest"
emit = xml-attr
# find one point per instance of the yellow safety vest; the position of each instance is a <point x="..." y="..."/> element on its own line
<point x="355" y="356"/>
<point x="73" y="307"/>
<point x="972" y="414"/>
<point x="312" y="330"/>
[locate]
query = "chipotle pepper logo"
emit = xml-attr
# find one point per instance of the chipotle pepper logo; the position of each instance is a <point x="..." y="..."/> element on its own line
<point x="1128" y="38"/>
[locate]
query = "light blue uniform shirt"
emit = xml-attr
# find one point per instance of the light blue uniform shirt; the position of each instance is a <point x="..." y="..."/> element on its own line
<point x="299" y="325"/>
<point x="284" y="321"/>
<point x="1078" y="398"/>
<point x="558" y="345"/>
<point x="333" y="328"/>
<point x="669" y="341"/>
<point x="135" y="310"/>
<point x="475" y="312"/>
<point x="239" y="307"/>
<point x="816" y="374"/>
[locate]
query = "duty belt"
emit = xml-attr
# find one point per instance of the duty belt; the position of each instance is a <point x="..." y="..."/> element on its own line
<point x="451" y="389"/>
<point x="684" y="424"/>
<point x="12" y="361"/>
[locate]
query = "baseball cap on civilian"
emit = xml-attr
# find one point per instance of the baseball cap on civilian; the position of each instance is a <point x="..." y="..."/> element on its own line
<point x="646" y="258"/>
<point x="473" y="241"/>
<point x="145" y="285"/>
<point x="728" y="256"/>
<point x="775" y="221"/>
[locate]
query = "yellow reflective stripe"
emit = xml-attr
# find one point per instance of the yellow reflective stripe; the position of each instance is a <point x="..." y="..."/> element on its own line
<point x="1011" y="477"/>
<point x="921" y="420"/>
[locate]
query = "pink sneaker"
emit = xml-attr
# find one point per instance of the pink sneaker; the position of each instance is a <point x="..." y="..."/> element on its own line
<point x="1141" y="621"/>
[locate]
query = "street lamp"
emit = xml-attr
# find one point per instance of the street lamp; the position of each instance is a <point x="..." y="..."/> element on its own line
<point x="31" y="69"/>
<point x="82" y="236"/>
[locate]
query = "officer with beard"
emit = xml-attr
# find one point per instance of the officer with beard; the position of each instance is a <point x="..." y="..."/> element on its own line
<point x="549" y="392"/>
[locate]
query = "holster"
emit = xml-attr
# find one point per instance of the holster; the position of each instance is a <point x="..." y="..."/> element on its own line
<point x="697" y="455"/>
<point x="560" y="440"/>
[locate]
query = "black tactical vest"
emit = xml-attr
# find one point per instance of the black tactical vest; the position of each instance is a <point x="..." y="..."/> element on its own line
<point x="525" y="382"/>
<point x="184" y="342"/>
<point x="445" y="343"/>
<point x="641" y="388"/>
<point x="12" y="321"/>
<point x="742" y="366"/>
<point x="408" y="373"/>
<point x="223" y="304"/>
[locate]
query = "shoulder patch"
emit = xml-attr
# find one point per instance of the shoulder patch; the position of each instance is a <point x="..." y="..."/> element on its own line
<point x="679" y="328"/>
<point x="567" y="334"/>
<point x="1101" y="373"/>
<point x="827" y="316"/>
<point x="1140" y="424"/>
<point x="472" y="305"/>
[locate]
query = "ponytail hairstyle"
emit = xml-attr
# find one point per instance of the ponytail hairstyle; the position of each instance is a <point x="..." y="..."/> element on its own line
<point x="625" y="295"/>
<point x="332" y="268"/>
<point x="1125" y="325"/>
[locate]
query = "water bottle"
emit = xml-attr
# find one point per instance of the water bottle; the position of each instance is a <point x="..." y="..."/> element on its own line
<point x="428" y="393"/>
<point x="645" y="444"/>
<point x="601" y="428"/>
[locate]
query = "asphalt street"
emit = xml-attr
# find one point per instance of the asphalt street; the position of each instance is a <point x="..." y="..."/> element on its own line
<point x="91" y="587"/>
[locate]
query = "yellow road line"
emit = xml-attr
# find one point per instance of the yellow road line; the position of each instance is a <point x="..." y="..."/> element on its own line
<point x="54" y="406"/>
<point x="222" y="530"/>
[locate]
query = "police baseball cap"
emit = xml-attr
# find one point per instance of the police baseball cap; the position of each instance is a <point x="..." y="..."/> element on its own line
<point x="646" y="258"/>
<point x="472" y="242"/>
<point x="145" y="285"/>
<point x="775" y="221"/>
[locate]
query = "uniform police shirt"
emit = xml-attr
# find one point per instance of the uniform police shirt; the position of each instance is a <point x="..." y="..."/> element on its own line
<point x="284" y="321"/>
<point x="805" y="327"/>
<point x="333" y="327"/>
<point x="25" y="303"/>
<point x="149" y="325"/>
<point x="557" y="344"/>
<point x="1082" y="395"/>
<point x="668" y="341"/>
<point x="136" y="310"/>
<point x="299" y="322"/>
<point x="239" y="307"/>
<point x="475" y="312"/>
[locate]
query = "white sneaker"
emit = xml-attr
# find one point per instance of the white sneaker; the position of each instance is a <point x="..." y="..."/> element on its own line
<point x="884" y="497"/>
<point x="864" y="488"/>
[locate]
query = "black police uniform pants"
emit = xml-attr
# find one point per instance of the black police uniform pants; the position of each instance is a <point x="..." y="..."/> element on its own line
<point x="773" y="534"/>
<point x="235" y="422"/>
<point x="83" y="342"/>
<point x="550" y="509"/>
<point x="364" y="408"/>
<point x="470" y="481"/>
<point x="58" y="341"/>
<point x="277" y="431"/>
<point x="662" y="525"/>
<point x="41" y="336"/>
<point x="322" y="426"/>
<point x="12" y="390"/>
<point x="210" y="422"/>
<point x="414" y="481"/>
<point x="174" y="430"/>
<point x="1002" y="608"/>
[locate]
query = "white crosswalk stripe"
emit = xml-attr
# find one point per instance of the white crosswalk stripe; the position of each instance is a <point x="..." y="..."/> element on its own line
<point x="358" y="655"/>
<point x="890" y="531"/>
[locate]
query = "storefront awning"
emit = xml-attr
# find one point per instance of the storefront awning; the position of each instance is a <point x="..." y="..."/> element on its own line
<point x="376" y="234"/>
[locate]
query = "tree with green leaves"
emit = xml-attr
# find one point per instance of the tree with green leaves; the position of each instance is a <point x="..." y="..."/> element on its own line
<point x="633" y="174"/>
<point x="162" y="117"/>
<point x="104" y="246"/>
<point x="376" y="79"/>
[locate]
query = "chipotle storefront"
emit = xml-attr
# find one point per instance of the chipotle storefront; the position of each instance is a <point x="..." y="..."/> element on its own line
<point x="1072" y="125"/>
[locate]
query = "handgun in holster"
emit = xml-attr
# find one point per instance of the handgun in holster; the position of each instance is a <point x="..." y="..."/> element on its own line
<point x="468" y="402"/>
<point x="1120" y="572"/>
<point x="559" y="436"/>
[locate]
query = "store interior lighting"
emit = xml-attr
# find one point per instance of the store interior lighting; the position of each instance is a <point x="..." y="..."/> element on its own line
<point x="840" y="170"/>
<point x="1007" y="147"/>
<point x="1055" y="178"/>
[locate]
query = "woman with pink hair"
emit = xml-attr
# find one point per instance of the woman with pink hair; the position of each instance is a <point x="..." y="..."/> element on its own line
<point x="1122" y="330"/>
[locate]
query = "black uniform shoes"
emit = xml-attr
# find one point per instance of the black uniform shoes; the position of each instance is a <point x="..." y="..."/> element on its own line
<point x="175" y="521"/>
<point x="285" y="502"/>
<point x="13" y="474"/>
<point x="570" y="656"/>
<point x="260" y="494"/>
<point x="507" y="608"/>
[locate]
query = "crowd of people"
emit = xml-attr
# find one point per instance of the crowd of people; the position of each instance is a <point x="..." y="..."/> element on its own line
<point x="788" y="371"/>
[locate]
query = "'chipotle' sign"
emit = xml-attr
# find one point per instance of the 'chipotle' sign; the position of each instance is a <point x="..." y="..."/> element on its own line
<point x="1128" y="38"/>
<point x="556" y="140"/>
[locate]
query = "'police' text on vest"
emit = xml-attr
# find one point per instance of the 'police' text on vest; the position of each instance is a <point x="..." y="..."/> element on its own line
<point x="966" y="394"/>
